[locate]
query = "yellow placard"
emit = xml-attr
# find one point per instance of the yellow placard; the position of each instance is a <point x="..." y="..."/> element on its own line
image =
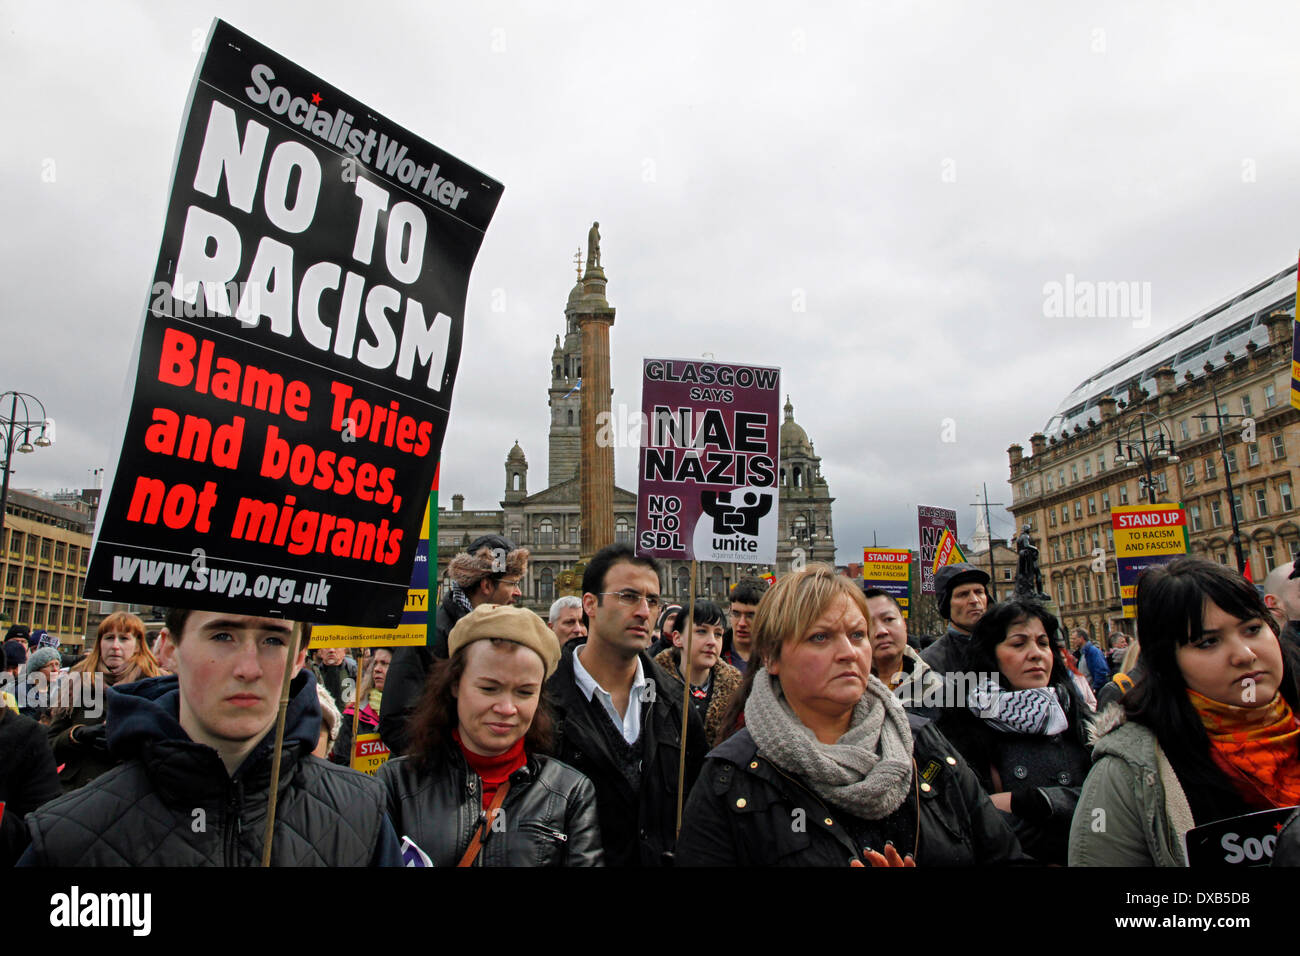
<point x="1145" y="535"/>
<point x="368" y="753"/>
<point x="412" y="632"/>
<point x="890" y="570"/>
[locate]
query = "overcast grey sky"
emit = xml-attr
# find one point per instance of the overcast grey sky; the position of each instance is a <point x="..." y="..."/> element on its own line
<point x="912" y="175"/>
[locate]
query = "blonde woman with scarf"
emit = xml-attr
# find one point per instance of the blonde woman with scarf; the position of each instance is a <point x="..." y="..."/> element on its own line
<point x="829" y="769"/>
<point x="1209" y="731"/>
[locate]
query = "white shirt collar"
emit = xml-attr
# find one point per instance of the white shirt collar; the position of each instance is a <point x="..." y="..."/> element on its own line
<point x="629" y="723"/>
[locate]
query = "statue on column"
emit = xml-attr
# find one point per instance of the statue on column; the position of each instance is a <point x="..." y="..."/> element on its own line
<point x="593" y="246"/>
<point x="1029" y="579"/>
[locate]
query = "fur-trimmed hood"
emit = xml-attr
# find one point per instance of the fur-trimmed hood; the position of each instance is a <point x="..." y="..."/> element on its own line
<point x="726" y="681"/>
<point x="1108" y="718"/>
<point x="467" y="570"/>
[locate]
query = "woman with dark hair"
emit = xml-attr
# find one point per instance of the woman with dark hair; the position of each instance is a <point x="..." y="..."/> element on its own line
<point x="1207" y="732"/>
<point x="1029" y="744"/>
<point x="713" y="681"/>
<point x="830" y="770"/>
<point x="77" y="733"/>
<point x="475" y="788"/>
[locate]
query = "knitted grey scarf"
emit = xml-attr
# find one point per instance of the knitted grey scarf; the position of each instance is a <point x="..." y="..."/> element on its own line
<point x="867" y="772"/>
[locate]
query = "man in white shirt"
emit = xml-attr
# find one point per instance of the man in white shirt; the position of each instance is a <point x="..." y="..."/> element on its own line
<point x="616" y="720"/>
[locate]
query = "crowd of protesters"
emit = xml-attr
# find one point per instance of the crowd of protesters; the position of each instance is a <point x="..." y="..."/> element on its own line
<point x="815" y="730"/>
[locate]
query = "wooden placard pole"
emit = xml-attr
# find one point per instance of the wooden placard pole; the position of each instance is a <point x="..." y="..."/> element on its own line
<point x="295" y="640"/>
<point x="356" y="714"/>
<point x="684" y="667"/>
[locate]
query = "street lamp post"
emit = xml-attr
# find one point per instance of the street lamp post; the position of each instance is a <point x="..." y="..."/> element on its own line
<point x="1147" y="450"/>
<point x="1219" y="416"/>
<point x="15" y="429"/>
<point x="19" y="429"/>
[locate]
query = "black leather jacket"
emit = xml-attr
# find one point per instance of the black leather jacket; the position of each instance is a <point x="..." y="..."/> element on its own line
<point x="746" y="811"/>
<point x="548" y="817"/>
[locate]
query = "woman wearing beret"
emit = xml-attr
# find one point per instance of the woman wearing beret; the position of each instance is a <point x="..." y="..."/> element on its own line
<point x="476" y="788"/>
<point x="829" y="770"/>
<point x="1029" y="745"/>
<point x="1208" y="731"/>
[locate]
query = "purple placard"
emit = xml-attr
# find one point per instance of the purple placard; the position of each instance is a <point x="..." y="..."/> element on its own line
<point x="931" y="523"/>
<point x="709" y="461"/>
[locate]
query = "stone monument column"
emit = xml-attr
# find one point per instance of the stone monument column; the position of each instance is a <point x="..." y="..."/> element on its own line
<point x="594" y="316"/>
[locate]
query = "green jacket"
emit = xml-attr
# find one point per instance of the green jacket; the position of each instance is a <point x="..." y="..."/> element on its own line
<point x="1132" y="811"/>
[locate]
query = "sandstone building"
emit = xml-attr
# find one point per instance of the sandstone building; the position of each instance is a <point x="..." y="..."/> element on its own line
<point x="1067" y="485"/>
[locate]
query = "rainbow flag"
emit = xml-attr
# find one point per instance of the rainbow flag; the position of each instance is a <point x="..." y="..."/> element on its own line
<point x="1295" y="349"/>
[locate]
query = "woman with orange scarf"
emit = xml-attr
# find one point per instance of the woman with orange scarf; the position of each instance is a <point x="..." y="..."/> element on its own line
<point x="1209" y="731"/>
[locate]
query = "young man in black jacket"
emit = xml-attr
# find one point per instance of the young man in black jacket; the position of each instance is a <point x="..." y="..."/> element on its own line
<point x="617" y="720"/>
<point x="197" y="749"/>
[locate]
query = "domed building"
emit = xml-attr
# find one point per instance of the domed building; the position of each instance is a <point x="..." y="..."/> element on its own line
<point x="547" y="522"/>
<point x="805" y="498"/>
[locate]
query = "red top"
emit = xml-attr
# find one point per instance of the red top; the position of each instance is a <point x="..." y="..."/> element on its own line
<point x="493" y="771"/>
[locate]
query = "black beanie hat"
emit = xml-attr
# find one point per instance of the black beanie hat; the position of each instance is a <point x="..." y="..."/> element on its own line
<point x="15" y="654"/>
<point x="950" y="577"/>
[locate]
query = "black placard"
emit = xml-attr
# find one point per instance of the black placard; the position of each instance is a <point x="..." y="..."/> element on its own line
<point x="297" y="355"/>
<point x="1246" y="840"/>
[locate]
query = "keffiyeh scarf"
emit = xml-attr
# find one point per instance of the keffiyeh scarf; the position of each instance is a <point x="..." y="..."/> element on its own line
<point x="1037" y="710"/>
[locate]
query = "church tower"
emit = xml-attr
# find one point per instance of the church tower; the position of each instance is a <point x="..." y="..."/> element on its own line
<point x="516" y="475"/>
<point x="565" y="394"/>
